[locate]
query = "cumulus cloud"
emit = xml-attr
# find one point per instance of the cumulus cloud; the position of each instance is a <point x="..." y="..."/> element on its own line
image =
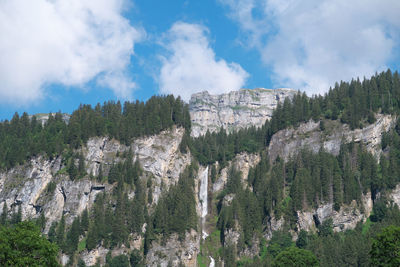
<point x="65" y="42"/>
<point x="312" y="44"/>
<point x="191" y="65"/>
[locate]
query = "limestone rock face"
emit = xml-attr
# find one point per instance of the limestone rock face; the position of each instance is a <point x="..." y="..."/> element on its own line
<point x="395" y="195"/>
<point x="242" y="162"/>
<point x="288" y="142"/>
<point x="23" y="186"/>
<point x="160" y="156"/>
<point x="346" y="218"/>
<point x="234" y="110"/>
<point x="175" y="252"/>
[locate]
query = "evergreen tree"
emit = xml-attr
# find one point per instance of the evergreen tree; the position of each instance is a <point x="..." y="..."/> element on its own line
<point x="4" y="214"/>
<point x="72" y="239"/>
<point x="84" y="224"/>
<point x="60" y="233"/>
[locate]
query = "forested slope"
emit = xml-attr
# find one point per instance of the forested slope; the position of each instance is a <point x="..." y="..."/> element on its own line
<point x="120" y="184"/>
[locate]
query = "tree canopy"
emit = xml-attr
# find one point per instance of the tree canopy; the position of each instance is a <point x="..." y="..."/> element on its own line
<point x="24" y="245"/>
<point x="385" y="249"/>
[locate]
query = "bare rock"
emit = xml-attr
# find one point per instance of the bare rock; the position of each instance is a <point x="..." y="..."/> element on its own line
<point x="234" y="110"/>
<point x="288" y="142"/>
<point x="175" y="251"/>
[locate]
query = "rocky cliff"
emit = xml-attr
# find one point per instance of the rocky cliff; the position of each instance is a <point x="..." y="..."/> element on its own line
<point x="234" y="110"/>
<point x="287" y="142"/>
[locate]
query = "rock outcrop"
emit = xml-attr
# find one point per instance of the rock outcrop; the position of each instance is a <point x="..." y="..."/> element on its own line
<point x="234" y="110"/>
<point x="242" y="162"/>
<point x="345" y="218"/>
<point x="288" y="142"/>
<point x="174" y="252"/>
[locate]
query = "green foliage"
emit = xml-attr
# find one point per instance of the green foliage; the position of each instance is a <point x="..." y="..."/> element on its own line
<point x="4" y="214"/>
<point x="176" y="210"/>
<point x="51" y="187"/>
<point x="385" y="249"/>
<point x="295" y="257"/>
<point x="81" y="263"/>
<point x="23" y="138"/>
<point x="84" y="224"/>
<point x="119" y="261"/>
<point x="72" y="238"/>
<point x="136" y="258"/>
<point x="23" y="245"/>
<point x="302" y="240"/>
<point x="325" y="228"/>
<point x="17" y="216"/>
<point x="280" y="241"/>
<point x="60" y="233"/>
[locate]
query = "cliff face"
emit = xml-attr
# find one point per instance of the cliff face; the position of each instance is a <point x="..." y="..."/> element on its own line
<point x="287" y="142"/>
<point x="234" y="110"/>
<point x="42" y="186"/>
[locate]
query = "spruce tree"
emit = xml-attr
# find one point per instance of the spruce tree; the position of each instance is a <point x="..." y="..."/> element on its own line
<point x="4" y="214"/>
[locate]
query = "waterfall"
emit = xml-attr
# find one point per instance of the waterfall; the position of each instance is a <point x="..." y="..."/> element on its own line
<point x="203" y="196"/>
<point x="212" y="262"/>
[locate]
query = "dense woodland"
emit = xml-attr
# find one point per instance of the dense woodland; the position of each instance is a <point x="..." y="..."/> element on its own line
<point x="273" y="190"/>
<point x="23" y="137"/>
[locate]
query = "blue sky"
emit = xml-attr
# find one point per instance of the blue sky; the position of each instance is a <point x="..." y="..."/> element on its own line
<point x="57" y="54"/>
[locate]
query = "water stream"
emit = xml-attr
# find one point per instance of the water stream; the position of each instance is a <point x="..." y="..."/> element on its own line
<point x="212" y="262"/>
<point x="203" y="196"/>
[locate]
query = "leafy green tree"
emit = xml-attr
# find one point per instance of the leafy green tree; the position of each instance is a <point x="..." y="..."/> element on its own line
<point x="24" y="245"/>
<point x="295" y="257"/>
<point x="385" y="249"/>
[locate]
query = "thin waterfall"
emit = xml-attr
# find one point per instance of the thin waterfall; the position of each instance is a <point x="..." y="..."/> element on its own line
<point x="212" y="262"/>
<point x="203" y="196"/>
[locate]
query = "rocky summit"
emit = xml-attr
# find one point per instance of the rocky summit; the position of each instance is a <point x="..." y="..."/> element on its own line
<point x="234" y="110"/>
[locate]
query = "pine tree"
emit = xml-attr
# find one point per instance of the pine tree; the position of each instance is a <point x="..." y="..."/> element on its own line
<point x="4" y="214"/>
<point x="60" y="233"/>
<point x="84" y="224"/>
<point x="71" y="244"/>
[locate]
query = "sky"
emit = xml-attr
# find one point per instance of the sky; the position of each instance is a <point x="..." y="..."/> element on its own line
<point x="58" y="54"/>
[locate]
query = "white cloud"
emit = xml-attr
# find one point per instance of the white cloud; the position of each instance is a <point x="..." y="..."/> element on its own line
<point x="312" y="44"/>
<point x="67" y="42"/>
<point x="191" y="65"/>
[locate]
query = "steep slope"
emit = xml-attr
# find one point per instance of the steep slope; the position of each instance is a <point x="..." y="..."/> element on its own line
<point x="288" y="142"/>
<point x="234" y="110"/>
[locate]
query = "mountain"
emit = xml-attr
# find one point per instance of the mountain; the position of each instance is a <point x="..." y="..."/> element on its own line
<point x="144" y="184"/>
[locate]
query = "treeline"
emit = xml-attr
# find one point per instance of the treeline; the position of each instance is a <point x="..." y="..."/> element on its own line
<point x="353" y="103"/>
<point x="23" y="137"/>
